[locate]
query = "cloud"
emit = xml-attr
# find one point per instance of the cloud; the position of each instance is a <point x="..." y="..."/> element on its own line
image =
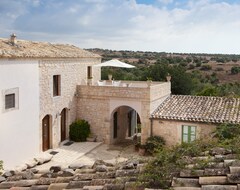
<point x="194" y="26"/>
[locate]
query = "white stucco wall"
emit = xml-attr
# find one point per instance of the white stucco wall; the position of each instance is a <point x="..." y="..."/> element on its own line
<point x="19" y="128"/>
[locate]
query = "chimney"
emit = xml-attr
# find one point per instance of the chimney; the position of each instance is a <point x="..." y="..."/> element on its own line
<point x="13" y="39"/>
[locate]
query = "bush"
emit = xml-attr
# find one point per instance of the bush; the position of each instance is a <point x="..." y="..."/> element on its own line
<point x="169" y="161"/>
<point x="1" y="166"/>
<point x="227" y="131"/>
<point x="206" y="67"/>
<point x="79" y="131"/>
<point x="154" y="143"/>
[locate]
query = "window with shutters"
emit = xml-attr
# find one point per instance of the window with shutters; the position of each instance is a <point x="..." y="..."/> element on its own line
<point x="9" y="101"/>
<point x="188" y="133"/>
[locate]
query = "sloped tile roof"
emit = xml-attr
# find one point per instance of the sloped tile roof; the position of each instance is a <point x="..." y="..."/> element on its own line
<point x="30" y="49"/>
<point x="200" y="109"/>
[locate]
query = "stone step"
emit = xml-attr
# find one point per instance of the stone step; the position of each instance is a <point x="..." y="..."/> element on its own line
<point x="93" y="188"/>
<point x="219" y="187"/>
<point x="57" y="186"/>
<point x="233" y="178"/>
<point x="185" y="182"/>
<point x="39" y="187"/>
<point x="78" y="184"/>
<point x="20" y="188"/>
<point x="191" y="173"/>
<point x="7" y="184"/>
<point x="234" y="169"/>
<point x="213" y="180"/>
<point x="216" y="171"/>
<point x="186" y="188"/>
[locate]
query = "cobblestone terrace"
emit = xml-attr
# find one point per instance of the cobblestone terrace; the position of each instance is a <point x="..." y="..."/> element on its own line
<point x="97" y="104"/>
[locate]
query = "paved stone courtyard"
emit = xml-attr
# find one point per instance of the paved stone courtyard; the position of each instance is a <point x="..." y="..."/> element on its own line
<point x="88" y="152"/>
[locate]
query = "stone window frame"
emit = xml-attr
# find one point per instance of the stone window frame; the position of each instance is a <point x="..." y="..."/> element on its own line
<point x="6" y="92"/>
<point x="191" y="134"/>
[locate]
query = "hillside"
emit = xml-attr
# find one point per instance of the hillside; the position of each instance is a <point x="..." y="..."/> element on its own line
<point x="225" y="68"/>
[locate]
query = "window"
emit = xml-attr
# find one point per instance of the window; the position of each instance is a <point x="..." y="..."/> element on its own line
<point x="9" y="101"/>
<point x="188" y="133"/>
<point x="89" y="72"/>
<point x="56" y="85"/>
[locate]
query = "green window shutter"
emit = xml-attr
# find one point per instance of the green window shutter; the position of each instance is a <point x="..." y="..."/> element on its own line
<point x="188" y="133"/>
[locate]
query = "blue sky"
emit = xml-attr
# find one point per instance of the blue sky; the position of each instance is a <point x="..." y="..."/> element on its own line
<point x="188" y="26"/>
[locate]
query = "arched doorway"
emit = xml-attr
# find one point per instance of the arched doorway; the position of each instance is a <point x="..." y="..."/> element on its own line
<point x="63" y="124"/>
<point x="46" y="133"/>
<point x="126" y="123"/>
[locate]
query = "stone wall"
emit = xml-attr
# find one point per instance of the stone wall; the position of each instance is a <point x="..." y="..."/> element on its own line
<point x="158" y="93"/>
<point x="171" y="131"/>
<point x="96" y="104"/>
<point x="73" y="73"/>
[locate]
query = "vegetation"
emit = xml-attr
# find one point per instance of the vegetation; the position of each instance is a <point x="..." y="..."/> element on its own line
<point x="192" y="74"/>
<point x="235" y="70"/>
<point x="169" y="161"/>
<point x="79" y="130"/>
<point x="1" y="167"/>
<point x="154" y="144"/>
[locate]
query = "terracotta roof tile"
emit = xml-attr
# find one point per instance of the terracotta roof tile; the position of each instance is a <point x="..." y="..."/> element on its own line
<point x="30" y="49"/>
<point x="199" y="108"/>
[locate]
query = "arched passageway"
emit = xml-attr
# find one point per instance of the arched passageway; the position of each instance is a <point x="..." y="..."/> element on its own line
<point x="125" y="124"/>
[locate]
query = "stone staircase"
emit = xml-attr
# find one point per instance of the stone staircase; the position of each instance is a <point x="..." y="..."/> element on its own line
<point x="220" y="172"/>
<point x="99" y="176"/>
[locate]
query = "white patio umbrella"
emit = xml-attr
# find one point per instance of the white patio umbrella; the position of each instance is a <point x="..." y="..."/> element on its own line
<point x="114" y="63"/>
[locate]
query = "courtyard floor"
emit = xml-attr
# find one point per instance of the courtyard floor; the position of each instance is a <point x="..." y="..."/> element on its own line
<point x="87" y="153"/>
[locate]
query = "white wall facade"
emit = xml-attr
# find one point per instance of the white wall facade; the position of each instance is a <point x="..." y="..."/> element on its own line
<point x="19" y="138"/>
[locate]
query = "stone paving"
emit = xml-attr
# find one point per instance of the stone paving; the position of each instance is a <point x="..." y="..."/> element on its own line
<point x="68" y="154"/>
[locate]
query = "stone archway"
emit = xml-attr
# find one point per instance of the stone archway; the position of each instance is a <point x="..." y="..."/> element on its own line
<point x="125" y="123"/>
<point x="63" y="124"/>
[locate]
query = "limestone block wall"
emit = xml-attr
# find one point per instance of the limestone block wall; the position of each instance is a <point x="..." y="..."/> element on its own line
<point x="158" y="93"/>
<point x="171" y="131"/>
<point x="97" y="104"/>
<point x="73" y="73"/>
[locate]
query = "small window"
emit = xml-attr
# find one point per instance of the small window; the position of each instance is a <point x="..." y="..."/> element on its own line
<point x="188" y="133"/>
<point x="56" y="85"/>
<point x="9" y="101"/>
<point x="89" y="72"/>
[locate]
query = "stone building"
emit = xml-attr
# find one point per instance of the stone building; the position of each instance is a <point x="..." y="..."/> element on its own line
<point x="45" y="87"/>
<point x="185" y="118"/>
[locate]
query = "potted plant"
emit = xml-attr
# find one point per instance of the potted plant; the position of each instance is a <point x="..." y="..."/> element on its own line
<point x="149" y="81"/>
<point x="168" y="77"/>
<point x="142" y="149"/>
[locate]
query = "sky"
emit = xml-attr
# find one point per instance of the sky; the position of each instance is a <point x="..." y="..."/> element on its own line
<point x="181" y="26"/>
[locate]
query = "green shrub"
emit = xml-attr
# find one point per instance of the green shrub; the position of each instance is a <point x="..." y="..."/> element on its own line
<point x="154" y="143"/>
<point x="169" y="161"/>
<point x="227" y="131"/>
<point x="79" y="131"/>
<point x="1" y="166"/>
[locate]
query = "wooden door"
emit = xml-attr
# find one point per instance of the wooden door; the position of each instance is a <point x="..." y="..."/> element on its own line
<point x="46" y="133"/>
<point x="63" y="124"/>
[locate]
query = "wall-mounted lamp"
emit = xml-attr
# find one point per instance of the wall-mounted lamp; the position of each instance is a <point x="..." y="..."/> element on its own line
<point x="57" y="114"/>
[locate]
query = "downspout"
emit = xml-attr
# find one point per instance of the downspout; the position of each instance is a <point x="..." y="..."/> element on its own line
<point x="151" y="127"/>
